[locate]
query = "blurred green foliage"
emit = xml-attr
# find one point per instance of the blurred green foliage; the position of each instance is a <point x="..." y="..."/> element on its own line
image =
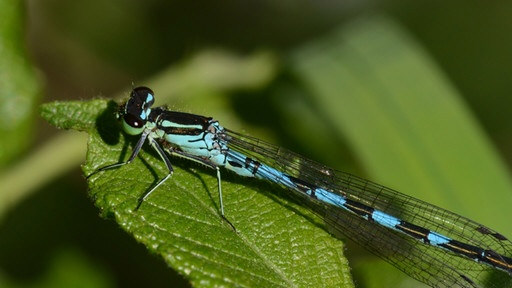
<point x="382" y="101"/>
<point x="20" y="88"/>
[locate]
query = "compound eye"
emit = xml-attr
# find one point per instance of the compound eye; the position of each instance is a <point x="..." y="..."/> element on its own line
<point x="132" y="124"/>
<point x="144" y="94"/>
<point x="133" y="121"/>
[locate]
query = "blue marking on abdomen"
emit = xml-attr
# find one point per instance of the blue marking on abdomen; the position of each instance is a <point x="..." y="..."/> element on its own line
<point x="437" y="239"/>
<point x="330" y="198"/>
<point x="247" y="168"/>
<point x="385" y="219"/>
<point x="274" y="175"/>
<point x="233" y="157"/>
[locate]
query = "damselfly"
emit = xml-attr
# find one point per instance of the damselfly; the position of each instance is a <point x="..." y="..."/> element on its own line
<point x="430" y="244"/>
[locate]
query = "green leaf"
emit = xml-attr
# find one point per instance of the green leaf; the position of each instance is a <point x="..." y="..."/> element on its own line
<point x="81" y="116"/>
<point x="277" y="243"/>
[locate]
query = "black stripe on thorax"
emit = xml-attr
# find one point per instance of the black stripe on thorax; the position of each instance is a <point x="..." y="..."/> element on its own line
<point x="196" y="124"/>
<point x="181" y="131"/>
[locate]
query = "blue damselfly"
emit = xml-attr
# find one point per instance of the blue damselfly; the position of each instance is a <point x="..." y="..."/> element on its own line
<point x="430" y="244"/>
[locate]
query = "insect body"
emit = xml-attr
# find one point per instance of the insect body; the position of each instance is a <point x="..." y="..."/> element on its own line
<point x="432" y="245"/>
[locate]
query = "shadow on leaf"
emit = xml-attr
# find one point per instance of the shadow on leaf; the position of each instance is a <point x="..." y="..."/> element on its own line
<point x="107" y="124"/>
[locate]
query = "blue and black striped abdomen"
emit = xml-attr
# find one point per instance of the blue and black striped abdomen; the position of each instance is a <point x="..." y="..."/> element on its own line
<point x="429" y="243"/>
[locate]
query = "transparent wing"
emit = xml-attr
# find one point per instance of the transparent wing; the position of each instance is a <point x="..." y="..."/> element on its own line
<point x="429" y="264"/>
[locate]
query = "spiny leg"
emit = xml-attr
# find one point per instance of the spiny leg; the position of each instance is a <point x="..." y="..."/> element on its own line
<point x="134" y="154"/>
<point x="213" y="166"/>
<point x="170" y="170"/>
<point x="220" y="191"/>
